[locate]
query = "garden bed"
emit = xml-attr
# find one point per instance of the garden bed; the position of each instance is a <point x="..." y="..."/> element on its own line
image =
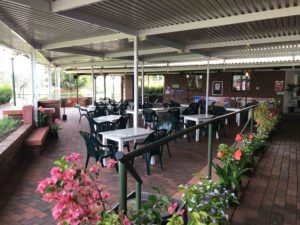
<point x="8" y="126"/>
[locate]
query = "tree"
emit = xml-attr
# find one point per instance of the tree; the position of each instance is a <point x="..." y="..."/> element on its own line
<point x="68" y="81"/>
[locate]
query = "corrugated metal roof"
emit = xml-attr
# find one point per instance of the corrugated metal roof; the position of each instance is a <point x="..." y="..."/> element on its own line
<point x="142" y="14"/>
<point x="45" y="27"/>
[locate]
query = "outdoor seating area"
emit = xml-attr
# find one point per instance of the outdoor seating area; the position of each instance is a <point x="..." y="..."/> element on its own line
<point x="149" y="112"/>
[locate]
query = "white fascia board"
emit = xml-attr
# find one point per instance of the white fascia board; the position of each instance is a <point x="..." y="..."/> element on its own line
<point x="64" y="5"/>
<point x="141" y="52"/>
<point x="244" y="42"/>
<point x="92" y="19"/>
<point x="79" y="52"/>
<point x="85" y="41"/>
<point x="97" y="63"/>
<point x="244" y="18"/>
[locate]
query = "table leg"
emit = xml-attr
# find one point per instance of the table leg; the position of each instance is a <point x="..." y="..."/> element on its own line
<point x="185" y="122"/>
<point x="104" y="141"/>
<point x="238" y="119"/>
<point x="197" y="131"/>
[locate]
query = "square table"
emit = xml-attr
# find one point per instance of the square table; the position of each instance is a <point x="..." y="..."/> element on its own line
<point x="109" y="118"/>
<point x="197" y="118"/>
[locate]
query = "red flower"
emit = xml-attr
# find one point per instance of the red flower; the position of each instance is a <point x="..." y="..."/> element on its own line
<point x="251" y="137"/>
<point x="172" y="208"/>
<point x="220" y="154"/>
<point x="238" y="137"/>
<point x="237" y="154"/>
<point x="111" y="163"/>
<point x="126" y="221"/>
<point x="271" y="114"/>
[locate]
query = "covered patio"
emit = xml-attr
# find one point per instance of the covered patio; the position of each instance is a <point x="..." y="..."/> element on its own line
<point x="127" y="57"/>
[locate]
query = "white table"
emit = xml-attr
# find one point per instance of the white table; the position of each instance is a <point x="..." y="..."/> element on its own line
<point x="110" y="118"/>
<point x="157" y="110"/>
<point x="237" y="116"/>
<point x="89" y="108"/>
<point x="198" y="118"/>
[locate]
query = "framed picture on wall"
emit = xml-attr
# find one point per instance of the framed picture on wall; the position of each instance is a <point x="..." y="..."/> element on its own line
<point x="217" y="88"/>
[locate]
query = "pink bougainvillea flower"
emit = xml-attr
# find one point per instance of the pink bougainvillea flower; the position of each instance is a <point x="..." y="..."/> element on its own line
<point x="69" y="158"/>
<point x="220" y="154"/>
<point x="94" y="168"/>
<point x="105" y="195"/>
<point x="237" y="154"/>
<point x="238" y="137"/>
<point x="41" y="109"/>
<point x="126" y="221"/>
<point x="111" y="163"/>
<point x="181" y="212"/>
<point x="76" y="156"/>
<point x="172" y="208"/>
<point x="251" y="137"/>
<point x="57" y="121"/>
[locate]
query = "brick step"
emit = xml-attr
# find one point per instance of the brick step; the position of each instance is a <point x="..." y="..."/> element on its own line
<point x="37" y="137"/>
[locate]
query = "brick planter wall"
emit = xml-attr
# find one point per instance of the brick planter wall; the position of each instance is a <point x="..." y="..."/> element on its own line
<point x="10" y="152"/>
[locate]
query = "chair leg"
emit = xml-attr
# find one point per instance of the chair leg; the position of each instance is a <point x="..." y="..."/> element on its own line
<point x="169" y="150"/>
<point x="87" y="161"/>
<point x="128" y="148"/>
<point x="79" y="118"/>
<point x="148" y="159"/>
<point x="160" y="162"/>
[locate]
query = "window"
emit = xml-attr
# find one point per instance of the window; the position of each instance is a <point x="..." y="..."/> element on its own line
<point x="240" y="82"/>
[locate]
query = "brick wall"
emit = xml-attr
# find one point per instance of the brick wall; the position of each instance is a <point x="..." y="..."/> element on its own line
<point x="10" y="152"/>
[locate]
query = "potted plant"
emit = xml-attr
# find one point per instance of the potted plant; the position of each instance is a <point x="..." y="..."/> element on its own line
<point x="78" y="197"/>
<point x="42" y="117"/>
<point x="55" y="127"/>
<point x="206" y="202"/>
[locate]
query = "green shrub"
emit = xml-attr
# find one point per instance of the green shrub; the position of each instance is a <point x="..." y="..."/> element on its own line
<point x="5" y="93"/>
<point x="8" y="125"/>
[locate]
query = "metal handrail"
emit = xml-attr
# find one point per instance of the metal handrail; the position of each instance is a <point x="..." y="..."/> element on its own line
<point x="125" y="159"/>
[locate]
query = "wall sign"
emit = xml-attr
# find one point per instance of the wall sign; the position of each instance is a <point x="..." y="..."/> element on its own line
<point x="217" y="88"/>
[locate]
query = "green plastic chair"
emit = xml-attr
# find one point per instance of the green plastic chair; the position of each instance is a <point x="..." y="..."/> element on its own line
<point x="177" y="124"/>
<point x="165" y="125"/>
<point x="156" y="135"/>
<point x="95" y="149"/>
<point x="94" y="127"/>
<point x="150" y="117"/>
<point x="82" y="112"/>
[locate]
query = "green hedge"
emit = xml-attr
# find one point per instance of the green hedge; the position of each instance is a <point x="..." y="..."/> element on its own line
<point x="5" y="93"/>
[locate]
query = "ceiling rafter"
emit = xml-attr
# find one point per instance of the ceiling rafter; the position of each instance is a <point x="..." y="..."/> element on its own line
<point x="245" y="42"/>
<point x="86" y="41"/>
<point x="244" y="18"/>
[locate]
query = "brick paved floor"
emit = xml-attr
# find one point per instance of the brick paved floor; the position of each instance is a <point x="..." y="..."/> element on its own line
<point x="272" y="196"/>
<point x="22" y="205"/>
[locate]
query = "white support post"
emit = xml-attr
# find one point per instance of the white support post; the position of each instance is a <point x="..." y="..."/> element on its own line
<point x="94" y="85"/>
<point x="135" y="82"/>
<point x="58" y="83"/>
<point x="104" y="84"/>
<point x="143" y="83"/>
<point x="207" y="87"/>
<point x="33" y="82"/>
<point x="49" y="83"/>
<point x="55" y="81"/>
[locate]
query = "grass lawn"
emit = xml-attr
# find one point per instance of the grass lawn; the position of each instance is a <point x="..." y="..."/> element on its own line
<point x="7" y="126"/>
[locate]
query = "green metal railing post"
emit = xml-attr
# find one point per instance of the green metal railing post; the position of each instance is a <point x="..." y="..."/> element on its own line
<point x="138" y="195"/>
<point x="122" y="188"/>
<point x="209" y="157"/>
<point x="251" y="119"/>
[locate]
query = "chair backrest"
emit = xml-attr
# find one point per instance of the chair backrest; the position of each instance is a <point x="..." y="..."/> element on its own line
<point x="165" y="125"/>
<point x="217" y="110"/>
<point x="107" y="126"/>
<point x="91" y="142"/>
<point x="147" y="105"/>
<point x="149" y="115"/>
<point x="100" y="111"/>
<point x="122" y="122"/>
<point x="93" y="125"/>
<point x="175" y="112"/>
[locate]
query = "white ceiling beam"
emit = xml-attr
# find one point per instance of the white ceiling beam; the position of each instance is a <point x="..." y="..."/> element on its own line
<point x="192" y="68"/>
<point x="86" y="41"/>
<point x="79" y="52"/>
<point x="244" y="18"/>
<point x="97" y="63"/>
<point x="165" y="42"/>
<point x="64" y="5"/>
<point x="245" y="42"/>
<point x="141" y="52"/>
<point x="89" y="18"/>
